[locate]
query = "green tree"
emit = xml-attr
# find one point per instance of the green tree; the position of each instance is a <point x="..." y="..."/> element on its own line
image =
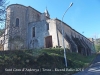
<point x="97" y="46"/>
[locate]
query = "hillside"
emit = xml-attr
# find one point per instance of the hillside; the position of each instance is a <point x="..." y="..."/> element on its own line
<point x="40" y="62"/>
<point x="97" y="44"/>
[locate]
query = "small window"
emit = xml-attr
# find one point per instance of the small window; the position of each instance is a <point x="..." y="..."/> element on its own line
<point x="47" y="26"/>
<point x="38" y="17"/>
<point x="33" y="32"/>
<point x="17" y="22"/>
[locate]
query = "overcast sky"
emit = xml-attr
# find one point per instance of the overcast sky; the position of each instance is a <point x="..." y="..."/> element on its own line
<point x="83" y="16"/>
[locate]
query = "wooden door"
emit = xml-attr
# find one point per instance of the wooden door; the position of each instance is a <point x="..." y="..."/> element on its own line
<point x="48" y="41"/>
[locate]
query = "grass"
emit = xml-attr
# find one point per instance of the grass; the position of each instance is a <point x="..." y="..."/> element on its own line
<point x="46" y="60"/>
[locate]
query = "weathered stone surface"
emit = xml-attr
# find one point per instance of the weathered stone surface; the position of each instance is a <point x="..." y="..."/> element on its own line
<point x="47" y="31"/>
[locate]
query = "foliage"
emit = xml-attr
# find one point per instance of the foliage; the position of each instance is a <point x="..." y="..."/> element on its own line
<point x="39" y="59"/>
<point x="97" y="46"/>
<point x="3" y="4"/>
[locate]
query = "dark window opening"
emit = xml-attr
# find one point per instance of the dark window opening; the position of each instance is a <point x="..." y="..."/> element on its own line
<point x="38" y="17"/>
<point x="17" y="22"/>
<point x="47" y="26"/>
<point x="33" y="32"/>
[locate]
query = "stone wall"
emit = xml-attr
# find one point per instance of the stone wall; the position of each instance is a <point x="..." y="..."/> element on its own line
<point x="25" y="15"/>
<point x="40" y="33"/>
<point x="44" y="27"/>
<point x="53" y="31"/>
<point x="69" y="43"/>
<point x="85" y="46"/>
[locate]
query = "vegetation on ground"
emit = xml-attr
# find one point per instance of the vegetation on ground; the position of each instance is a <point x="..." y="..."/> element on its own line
<point x="41" y="62"/>
<point x="97" y="46"/>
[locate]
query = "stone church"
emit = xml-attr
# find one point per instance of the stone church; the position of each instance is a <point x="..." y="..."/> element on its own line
<point x="27" y="28"/>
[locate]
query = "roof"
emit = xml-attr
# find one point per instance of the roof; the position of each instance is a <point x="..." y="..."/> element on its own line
<point x="22" y="6"/>
<point x="73" y="29"/>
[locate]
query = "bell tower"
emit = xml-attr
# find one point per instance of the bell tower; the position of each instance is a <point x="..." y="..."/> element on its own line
<point x="46" y="13"/>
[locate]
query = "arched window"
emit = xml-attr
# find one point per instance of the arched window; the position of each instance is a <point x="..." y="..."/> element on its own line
<point x="17" y="22"/>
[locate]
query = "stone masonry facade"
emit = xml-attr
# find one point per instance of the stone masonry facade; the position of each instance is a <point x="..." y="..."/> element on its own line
<point x="27" y="28"/>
